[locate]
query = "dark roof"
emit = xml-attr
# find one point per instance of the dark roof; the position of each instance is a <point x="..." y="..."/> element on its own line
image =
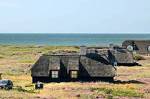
<point x="122" y="55"/>
<point x="73" y="63"/>
<point x="41" y="67"/>
<point x="62" y="53"/>
<point x="54" y="63"/>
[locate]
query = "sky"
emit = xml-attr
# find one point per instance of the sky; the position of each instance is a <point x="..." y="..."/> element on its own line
<point x="74" y="16"/>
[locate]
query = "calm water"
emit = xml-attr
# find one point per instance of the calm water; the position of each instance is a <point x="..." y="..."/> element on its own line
<point x="69" y="39"/>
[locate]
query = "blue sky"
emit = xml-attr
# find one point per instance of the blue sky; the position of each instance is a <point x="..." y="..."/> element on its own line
<point x="74" y="16"/>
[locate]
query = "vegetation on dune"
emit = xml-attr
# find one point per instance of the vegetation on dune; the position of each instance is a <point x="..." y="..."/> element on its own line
<point x="138" y="57"/>
<point x="118" y="92"/>
<point x="1" y="56"/>
<point x="16" y="61"/>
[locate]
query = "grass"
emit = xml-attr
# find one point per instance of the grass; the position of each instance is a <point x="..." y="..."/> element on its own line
<point x="118" y="92"/>
<point x="16" y="61"/>
<point x="20" y="89"/>
<point x="138" y="57"/>
<point x="1" y="56"/>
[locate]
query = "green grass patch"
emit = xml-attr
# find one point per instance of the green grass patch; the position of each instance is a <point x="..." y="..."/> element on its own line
<point x="21" y="89"/>
<point x="142" y="75"/>
<point x="9" y="73"/>
<point x="85" y="96"/>
<point x="138" y="57"/>
<point x="26" y="61"/>
<point x="1" y="57"/>
<point x="118" y="92"/>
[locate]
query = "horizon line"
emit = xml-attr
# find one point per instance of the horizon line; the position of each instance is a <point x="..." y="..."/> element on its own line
<point x="68" y="33"/>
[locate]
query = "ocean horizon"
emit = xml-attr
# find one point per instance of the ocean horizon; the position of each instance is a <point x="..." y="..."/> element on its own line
<point x="66" y="39"/>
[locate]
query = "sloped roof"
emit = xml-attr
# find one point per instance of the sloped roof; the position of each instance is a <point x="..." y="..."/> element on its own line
<point x="40" y="68"/>
<point x="62" y="53"/>
<point x="123" y="56"/>
<point x="73" y="63"/>
<point x="54" y="63"/>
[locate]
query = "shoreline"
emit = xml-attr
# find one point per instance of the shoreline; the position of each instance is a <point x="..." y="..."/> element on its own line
<point x="69" y="39"/>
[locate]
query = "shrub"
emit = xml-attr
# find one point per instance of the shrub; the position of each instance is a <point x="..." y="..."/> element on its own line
<point x="1" y="57"/>
<point x="20" y="89"/>
<point x="138" y="57"/>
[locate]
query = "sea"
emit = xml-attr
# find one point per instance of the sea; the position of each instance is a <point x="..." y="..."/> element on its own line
<point x="68" y="39"/>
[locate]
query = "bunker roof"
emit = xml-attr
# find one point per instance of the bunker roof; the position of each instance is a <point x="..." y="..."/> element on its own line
<point x="62" y="53"/>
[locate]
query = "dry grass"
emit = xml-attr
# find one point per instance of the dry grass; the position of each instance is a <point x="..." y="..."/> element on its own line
<point x="16" y="61"/>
